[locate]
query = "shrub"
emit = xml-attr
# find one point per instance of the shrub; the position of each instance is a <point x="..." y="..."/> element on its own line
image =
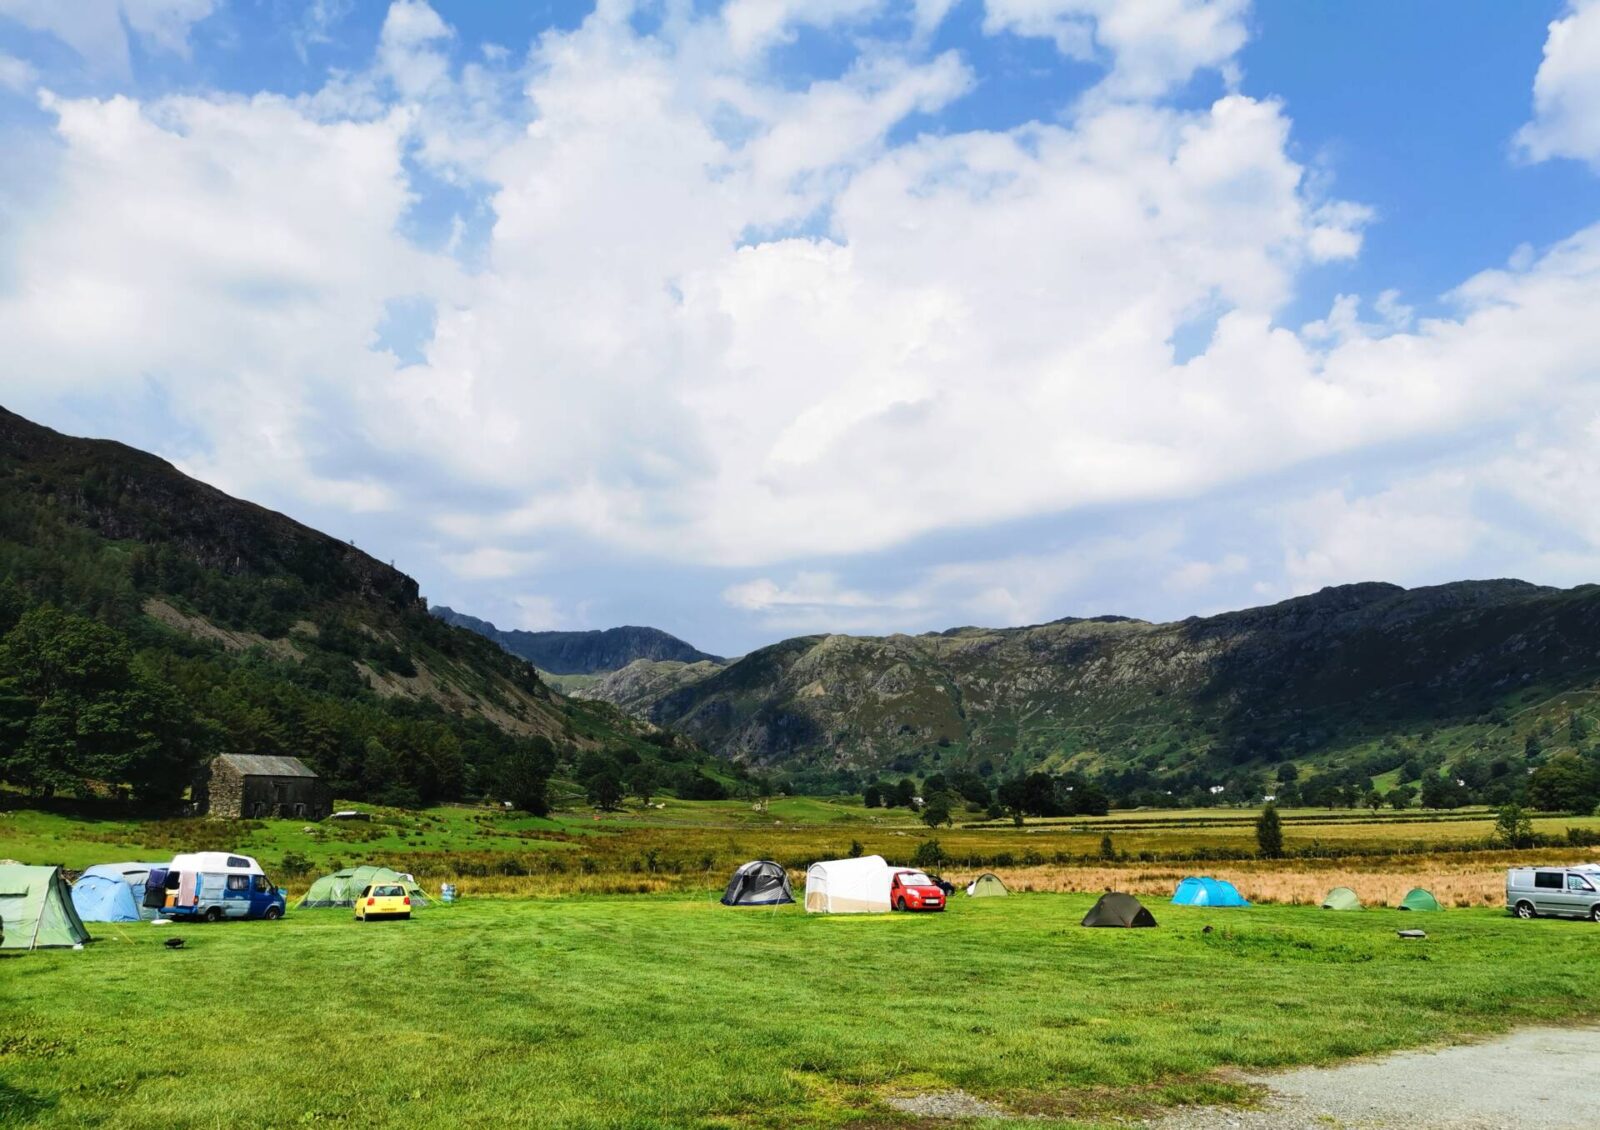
<point x="928" y="854"/>
<point x="1269" y="833"/>
<point x="295" y="864"/>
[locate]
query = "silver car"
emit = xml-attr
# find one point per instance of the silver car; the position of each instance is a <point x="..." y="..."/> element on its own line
<point x="1553" y="892"/>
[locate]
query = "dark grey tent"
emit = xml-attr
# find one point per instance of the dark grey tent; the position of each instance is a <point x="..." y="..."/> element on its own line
<point x="1118" y="909"/>
<point x="760" y="882"/>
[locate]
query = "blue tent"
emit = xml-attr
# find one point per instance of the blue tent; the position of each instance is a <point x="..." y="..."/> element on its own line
<point x="1207" y="891"/>
<point x="112" y="892"/>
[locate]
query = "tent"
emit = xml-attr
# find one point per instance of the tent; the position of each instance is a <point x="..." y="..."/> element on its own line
<point x="986" y="885"/>
<point x="342" y="888"/>
<point x="36" y="907"/>
<point x="760" y="882"/>
<point x="848" y="886"/>
<point x="1118" y="909"/>
<point x="1419" y="899"/>
<point x="1206" y="891"/>
<point x="112" y="892"/>
<point x="1341" y="898"/>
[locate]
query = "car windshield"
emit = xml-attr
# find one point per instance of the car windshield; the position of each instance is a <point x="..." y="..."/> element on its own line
<point x="915" y="879"/>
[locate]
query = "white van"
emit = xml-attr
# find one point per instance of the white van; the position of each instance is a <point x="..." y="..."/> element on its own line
<point x="218" y="884"/>
<point x="1553" y="892"/>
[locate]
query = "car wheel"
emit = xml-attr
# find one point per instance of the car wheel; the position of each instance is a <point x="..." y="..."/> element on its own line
<point x="899" y="904"/>
<point x="213" y="914"/>
<point x="273" y="913"/>
<point x="1525" y="910"/>
<point x="1594" y="913"/>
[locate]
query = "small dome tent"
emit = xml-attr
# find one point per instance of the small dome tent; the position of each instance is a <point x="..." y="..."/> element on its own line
<point x="987" y="885"/>
<point x="112" y="892"/>
<point x="1118" y="909"/>
<point x="848" y="886"/>
<point x="1341" y="898"/>
<point x="1206" y="891"/>
<point x="760" y="882"/>
<point x="36" y="907"/>
<point x="1419" y="899"/>
<point x="342" y="888"/>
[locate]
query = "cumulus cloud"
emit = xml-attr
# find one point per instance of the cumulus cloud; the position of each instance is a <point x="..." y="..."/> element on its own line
<point x="1566" y="91"/>
<point x="723" y="318"/>
<point x="98" y="30"/>
<point x="1152" y="45"/>
<point x="16" y="74"/>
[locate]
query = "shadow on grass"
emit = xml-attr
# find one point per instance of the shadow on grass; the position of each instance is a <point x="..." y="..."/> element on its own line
<point x="18" y="1108"/>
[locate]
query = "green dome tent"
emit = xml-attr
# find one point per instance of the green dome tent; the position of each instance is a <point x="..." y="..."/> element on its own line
<point x="1118" y="909"/>
<point x="1341" y="898"/>
<point x="1419" y="899"/>
<point x="986" y="885"/>
<point x="36" y="907"/>
<point x="342" y="888"/>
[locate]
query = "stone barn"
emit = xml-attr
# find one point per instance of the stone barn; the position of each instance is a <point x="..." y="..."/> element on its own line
<point x="242" y="785"/>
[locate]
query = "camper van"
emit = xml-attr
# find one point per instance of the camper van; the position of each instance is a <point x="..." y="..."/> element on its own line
<point x="1553" y="892"/>
<point x="214" y="885"/>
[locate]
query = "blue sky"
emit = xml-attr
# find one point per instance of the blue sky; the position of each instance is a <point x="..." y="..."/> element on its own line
<point x="769" y="317"/>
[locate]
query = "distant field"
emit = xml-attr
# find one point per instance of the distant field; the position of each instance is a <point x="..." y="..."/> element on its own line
<point x="673" y="1011"/>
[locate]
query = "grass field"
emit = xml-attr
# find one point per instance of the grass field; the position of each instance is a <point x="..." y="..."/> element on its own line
<point x="674" y="1011"/>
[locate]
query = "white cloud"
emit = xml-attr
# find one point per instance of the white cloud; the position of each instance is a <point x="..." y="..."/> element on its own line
<point x="16" y="74"/>
<point x="492" y="563"/>
<point x="1566" y="91"/>
<point x="1194" y="576"/>
<point x="536" y="613"/>
<point x="98" y="29"/>
<point x="1153" y="45"/>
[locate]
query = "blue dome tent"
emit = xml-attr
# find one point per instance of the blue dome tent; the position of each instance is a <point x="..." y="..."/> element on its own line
<point x="112" y="892"/>
<point x="1206" y="891"/>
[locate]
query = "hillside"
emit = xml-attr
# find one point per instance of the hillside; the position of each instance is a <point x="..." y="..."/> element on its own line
<point x="582" y="653"/>
<point x="197" y="623"/>
<point x="1321" y="679"/>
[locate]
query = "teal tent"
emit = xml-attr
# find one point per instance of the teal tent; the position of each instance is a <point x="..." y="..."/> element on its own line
<point x="112" y="892"/>
<point x="342" y="888"/>
<point x="1206" y="891"/>
<point x="36" y="907"/>
<point x="1419" y="899"/>
<point x="1341" y="898"/>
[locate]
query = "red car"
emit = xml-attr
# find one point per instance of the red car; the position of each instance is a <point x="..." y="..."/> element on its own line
<point x="912" y="890"/>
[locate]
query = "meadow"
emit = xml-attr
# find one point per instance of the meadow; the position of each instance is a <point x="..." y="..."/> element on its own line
<point x="671" y="1010"/>
<point x="589" y="977"/>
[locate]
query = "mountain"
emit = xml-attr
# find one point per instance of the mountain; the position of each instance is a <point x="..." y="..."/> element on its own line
<point x="1320" y="678"/>
<point x="583" y="653"/>
<point x="194" y="623"/>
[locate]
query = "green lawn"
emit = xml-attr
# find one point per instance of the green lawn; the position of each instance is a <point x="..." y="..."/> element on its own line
<point x="674" y="1011"/>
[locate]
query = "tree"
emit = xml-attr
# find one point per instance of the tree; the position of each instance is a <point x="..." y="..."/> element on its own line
<point x="1565" y="783"/>
<point x="523" y="775"/>
<point x="936" y="810"/>
<point x="905" y="793"/>
<point x="873" y="797"/>
<point x="1288" y="772"/>
<point x="1373" y="800"/>
<point x="1269" y="833"/>
<point x="604" y="790"/>
<point x="1441" y="792"/>
<point x="642" y="780"/>
<point x="1013" y="797"/>
<point x="928" y="854"/>
<point x="1089" y="799"/>
<point x="1401" y="796"/>
<point x="1512" y="827"/>
<point x="1108" y="850"/>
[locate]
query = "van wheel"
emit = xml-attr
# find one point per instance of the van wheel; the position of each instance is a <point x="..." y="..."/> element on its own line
<point x="273" y="913"/>
<point x="1525" y="910"/>
<point x="1594" y="913"/>
<point x="213" y="914"/>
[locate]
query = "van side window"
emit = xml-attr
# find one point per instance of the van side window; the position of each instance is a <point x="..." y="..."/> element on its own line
<point x="1578" y="883"/>
<point x="235" y="861"/>
<point x="1548" y="880"/>
<point x="172" y="881"/>
<point x="238" y="882"/>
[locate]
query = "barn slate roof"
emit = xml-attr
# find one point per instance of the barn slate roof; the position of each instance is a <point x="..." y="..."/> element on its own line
<point x="252" y="765"/>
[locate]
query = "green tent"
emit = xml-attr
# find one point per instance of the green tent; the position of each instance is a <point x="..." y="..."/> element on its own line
<point x="1118" y="909"/>
<point x="1341" y="898"/>
<point x="342" y="888"/>
<point x="986" y="885"/>
<point x="36" y="908"/>
<point x="1419" y="899"/>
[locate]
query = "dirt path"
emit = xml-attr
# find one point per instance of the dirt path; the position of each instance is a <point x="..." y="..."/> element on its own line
<point x="1536" y="1079"/>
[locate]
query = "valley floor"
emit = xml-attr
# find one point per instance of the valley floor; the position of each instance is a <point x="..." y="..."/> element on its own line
<point x="670" y="1010"/>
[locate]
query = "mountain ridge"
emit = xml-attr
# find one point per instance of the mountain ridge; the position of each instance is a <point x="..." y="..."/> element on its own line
<point x="582" y="652"/>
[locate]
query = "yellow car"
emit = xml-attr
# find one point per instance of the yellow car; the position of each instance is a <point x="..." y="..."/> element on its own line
<point x="383" y="900"/>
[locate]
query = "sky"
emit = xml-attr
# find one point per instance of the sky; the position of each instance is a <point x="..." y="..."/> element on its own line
<point x="769" y="317"/>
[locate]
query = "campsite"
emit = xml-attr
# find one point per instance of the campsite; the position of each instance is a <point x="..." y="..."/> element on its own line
<point x="623" y="997"/>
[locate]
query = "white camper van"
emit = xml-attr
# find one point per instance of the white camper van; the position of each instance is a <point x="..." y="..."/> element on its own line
<point x="217" y="884"/>
<point x="1553" y="892"/>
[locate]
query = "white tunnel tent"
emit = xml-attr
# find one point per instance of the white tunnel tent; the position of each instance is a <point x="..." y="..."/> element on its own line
<point x="848" y="886"/>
